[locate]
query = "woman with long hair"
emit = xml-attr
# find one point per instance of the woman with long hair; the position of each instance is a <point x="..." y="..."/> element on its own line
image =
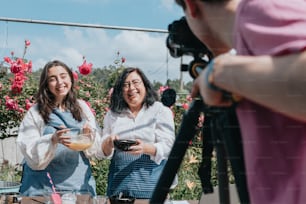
<point x="42" y="139"/>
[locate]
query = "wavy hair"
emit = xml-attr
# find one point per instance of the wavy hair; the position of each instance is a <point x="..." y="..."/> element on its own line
<point x="46" y="100"/>
<point x="117" y="102"/>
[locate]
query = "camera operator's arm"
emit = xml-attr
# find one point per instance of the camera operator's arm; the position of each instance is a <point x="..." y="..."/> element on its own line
<point x="275" y="82"/>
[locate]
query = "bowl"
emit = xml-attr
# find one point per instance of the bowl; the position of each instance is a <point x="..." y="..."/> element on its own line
<point x="81" y="139"/>
<point x="122" y="199"/>
<point x="124" y="144"/>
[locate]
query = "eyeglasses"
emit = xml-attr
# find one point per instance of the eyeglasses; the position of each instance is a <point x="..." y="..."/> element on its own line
<point x="136" y="83"/>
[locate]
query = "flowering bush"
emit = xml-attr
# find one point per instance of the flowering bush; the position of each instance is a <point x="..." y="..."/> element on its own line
<point x="16" y="91"/>
<point x="18" y="86"/>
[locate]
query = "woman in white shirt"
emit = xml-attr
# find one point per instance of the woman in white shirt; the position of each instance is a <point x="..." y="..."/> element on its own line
<point x="136" y="114"/>
<point x="41" y="140"/>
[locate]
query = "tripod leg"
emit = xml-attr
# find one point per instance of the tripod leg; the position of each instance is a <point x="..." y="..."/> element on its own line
<point x="234" y="149"/>
<point x="204" y="171"/>
<point x="223" y="183"/>
<point x="186" y="133"/>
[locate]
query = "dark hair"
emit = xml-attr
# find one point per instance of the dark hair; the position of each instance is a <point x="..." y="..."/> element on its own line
<point x="117" y="102"/>
<point x="46" y="100"/>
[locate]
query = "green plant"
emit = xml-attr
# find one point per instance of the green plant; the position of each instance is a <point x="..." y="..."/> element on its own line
<point x="9" y="172"/>
<point x="100" y="172"/>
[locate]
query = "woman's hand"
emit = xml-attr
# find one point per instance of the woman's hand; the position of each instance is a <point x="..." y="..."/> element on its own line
<point x="59" y="137"/>
<point x="137" y="148"/>
<point x="89" y="131"/>
<point x="142" y="148"/>
<point x="108" y="144"/>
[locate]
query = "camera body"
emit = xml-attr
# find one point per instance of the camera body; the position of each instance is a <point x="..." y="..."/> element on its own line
<point x="181" y="41"/>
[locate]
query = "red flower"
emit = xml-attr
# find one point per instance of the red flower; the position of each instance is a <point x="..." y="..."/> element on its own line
<point x="17" y="88"/>
<point x="122" y="59"/>
<point x="163" y="88"/>
<point x="185" y="106"/>
<point x="7" y="60"/>
<point x="27" y="43"/>
<point x="10" y="103"/>
<point x="85" y="68"/>
<point x="28" y="104"/>
<point x="29" y="67"/>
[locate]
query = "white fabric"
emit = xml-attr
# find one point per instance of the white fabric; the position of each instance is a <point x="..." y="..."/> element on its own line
<point x="153" y="125"/>
<point x="38" y="151"/>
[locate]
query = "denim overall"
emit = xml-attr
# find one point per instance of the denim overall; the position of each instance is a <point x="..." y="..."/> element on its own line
<point x="70" y="170"/>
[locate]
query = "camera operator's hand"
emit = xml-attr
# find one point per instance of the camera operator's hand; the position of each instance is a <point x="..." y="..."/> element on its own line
<point x="211" y="95"/>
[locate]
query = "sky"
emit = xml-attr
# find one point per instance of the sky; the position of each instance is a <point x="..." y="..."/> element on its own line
<point x="146" y="50"/>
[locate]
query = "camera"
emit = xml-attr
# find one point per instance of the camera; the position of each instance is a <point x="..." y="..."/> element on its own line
<point x="181" y="41"/>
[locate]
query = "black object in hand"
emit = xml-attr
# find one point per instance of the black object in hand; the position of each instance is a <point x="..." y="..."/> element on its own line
<point x="123" y="199"/>
<point x="124" y="144"/>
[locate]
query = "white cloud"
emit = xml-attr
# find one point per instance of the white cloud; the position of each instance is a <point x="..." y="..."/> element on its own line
<point x="144" y="50"/>
<point x="168" y="4"/>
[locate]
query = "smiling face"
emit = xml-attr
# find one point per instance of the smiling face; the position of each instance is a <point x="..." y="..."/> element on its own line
<point x="59" y="83"/>
<point x="134" y="91"/>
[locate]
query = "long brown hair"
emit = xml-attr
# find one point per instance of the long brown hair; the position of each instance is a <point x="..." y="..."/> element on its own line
<point x="46" y="100"/>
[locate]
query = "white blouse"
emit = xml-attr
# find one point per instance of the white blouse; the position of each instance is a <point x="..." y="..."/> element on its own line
<point x="38" y="150"/>
<point x="154" y="125"/>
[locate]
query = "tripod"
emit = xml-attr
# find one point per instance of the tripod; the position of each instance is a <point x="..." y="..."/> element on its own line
<point x="228" y="143"/>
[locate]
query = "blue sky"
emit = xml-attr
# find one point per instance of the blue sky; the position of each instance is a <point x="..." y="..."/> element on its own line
<point x="142" y="49"/>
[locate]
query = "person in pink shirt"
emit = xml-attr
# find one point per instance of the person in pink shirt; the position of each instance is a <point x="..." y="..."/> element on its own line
<point x="267" y="81"/>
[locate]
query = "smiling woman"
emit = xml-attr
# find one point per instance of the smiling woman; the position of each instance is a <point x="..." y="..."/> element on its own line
<point x="42" y="135"/>
<point x="136" y="115"/>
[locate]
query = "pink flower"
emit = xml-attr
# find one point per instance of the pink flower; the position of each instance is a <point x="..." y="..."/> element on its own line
<point x="10" y="103"/>
<point x="29" y="67"/>
<point x="17" y="66"/>
<point x="185" y="106"/>
<point x="17" y="88"/>
<point x="89" y="105"/>
<point x="85" y="68"/>
<point x="75" y="76"/>
<point x="28" y="104"/>
<point x="27" y="43"/>
<point x="189" y="98"/>
<point x="7" y="60"/>
<point x="20" y="110"/>
<point x="163" y="88"/>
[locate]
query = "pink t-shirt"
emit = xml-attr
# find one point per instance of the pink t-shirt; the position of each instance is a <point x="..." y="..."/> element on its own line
<point x="274" y="145"/>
